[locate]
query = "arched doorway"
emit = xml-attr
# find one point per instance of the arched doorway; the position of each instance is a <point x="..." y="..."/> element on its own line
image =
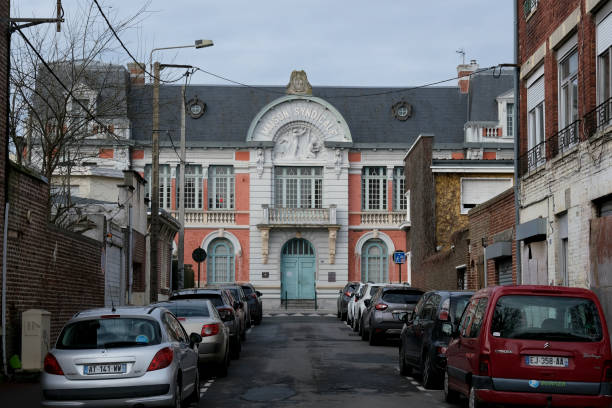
<point x="220" y="266"/>
<point x="374" y="262"/>
<point x="298" y="269"/>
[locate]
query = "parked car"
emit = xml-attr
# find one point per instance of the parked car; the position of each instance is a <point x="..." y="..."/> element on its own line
<point x="365" y="293"/>
<point x="242" y="307"/>
<point x="200" y="316"/>
<point x="129" y="356"/>
<point x="350" y="308"/>
<point x="224" y="304"/>
<point x="384" y="313"/>
<point x="344" y="296"/>
<point x="254" y="300"/>
<point x="425" y="336"/>
<point x="531" y="345"/>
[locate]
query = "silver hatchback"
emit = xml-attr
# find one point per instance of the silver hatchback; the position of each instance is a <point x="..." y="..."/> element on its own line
<point x="124" y="357"/>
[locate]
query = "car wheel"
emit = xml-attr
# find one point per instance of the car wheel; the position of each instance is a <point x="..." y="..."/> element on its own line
<point x="195" y="395"/>
<point x="178" y="395"/>
<point x="404" y="368"/>
<point x="222" y="368"/>
<point x="338" y="314"/>
<point x="450" y="396"/>
<point x="429" y="376"/>
<point x="362" y="332"/>
<point x="372" y="338"/>
<point x="235" y="348"/>
<point x="343" y="317"/>
<point x="355" y="326"/>
<point x="243" y="336"/>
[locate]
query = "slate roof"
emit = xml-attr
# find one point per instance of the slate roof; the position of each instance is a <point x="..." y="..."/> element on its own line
<point x="441" y="111"/>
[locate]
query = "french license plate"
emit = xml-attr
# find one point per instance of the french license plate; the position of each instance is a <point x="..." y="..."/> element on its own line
<point x="399" y="315"/>
<point x="547" y="361"/>
<point x="93" y="369"/>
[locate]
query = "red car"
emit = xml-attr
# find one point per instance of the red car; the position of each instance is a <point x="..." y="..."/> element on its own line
<point x="531" y="345"/>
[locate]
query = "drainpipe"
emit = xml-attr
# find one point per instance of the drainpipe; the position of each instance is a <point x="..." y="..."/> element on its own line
<point x="129" y="255"/>
<point x="5" y="237"/>
<point x="516" y="124"/>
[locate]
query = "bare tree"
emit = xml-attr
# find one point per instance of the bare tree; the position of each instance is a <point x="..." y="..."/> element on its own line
<point x="57" y="128"/>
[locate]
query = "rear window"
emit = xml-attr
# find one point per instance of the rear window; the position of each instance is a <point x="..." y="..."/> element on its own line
<point x="213" y="297"/>
<point x="187" y="308"/>
<point x="398" y="296"/>
<point x="235" y="293"/>
<point x="546" y="318"/>
<point x="247" y="290"/>
<point x="373" y="290"/>
<point x="109" y="333"/>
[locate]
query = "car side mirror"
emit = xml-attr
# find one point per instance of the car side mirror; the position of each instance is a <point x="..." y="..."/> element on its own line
<point x="408" y="317"/>
<point x="258" y="293"/>
<point x="226" y="315"/>
<point x="367" y="302"/>
<point x="194" y="338"/>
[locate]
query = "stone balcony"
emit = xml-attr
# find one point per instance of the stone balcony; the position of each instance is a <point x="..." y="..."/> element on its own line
<point x="208" y="218"/>
<point x="302" y="217"/>
<point x="383" y="218"/>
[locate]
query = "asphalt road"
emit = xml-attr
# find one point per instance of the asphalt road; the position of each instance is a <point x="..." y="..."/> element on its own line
<point x="315" y="362"/>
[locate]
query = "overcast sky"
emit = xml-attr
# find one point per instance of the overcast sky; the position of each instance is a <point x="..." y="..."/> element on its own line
<point x="337" y="42"/>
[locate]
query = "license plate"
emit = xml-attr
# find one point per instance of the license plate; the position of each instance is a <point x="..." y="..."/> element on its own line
<point x="105" y="369"/>
<point x="547" y="361"/>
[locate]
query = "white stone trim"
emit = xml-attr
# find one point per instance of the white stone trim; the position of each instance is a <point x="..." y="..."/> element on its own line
<point x="373" y="235"/>
<point x="221" y="233"/>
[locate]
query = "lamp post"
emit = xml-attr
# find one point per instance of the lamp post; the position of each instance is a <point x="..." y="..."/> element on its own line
<point x="153" y="260"/>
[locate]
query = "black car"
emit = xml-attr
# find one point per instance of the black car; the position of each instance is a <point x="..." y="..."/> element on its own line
<point x="426" y="334"/>
<point x="344" y="296"/>
<point x="254" y="300"/>
<point x="225" y="306"/>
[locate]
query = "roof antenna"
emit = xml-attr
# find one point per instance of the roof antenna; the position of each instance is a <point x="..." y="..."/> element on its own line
<point x="461" y="52"/>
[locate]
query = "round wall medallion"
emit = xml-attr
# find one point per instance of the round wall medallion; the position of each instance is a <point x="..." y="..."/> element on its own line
<point x="401" y="110"/>
<point x="196" y="108"/>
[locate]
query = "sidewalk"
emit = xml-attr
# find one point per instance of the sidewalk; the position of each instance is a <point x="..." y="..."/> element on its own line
<point x="20" y="394"/>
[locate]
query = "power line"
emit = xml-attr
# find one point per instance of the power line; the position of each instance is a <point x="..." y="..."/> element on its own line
<point x="74" y="98"/>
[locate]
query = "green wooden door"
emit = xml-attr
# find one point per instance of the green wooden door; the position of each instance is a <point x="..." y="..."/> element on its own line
<point x="298" y="270"/>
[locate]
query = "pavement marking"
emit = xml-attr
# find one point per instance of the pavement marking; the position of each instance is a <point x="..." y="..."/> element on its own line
<point x="298" y="314"/>
<point x="267" y="315"/>
<point x="414" y="383"/>
<point x="330" y="314"/>
<point x="420" y="388"/>
<point x="314" y="315"/>
<point x="410" y="378"/>
<point x="248" y="331"/>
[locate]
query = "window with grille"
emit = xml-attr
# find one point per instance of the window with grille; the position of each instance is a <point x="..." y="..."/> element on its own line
<point x="374" y="263"/>
<point x="298" y="187"/>
<point x="165" y="185"/>
<point x="221" y="188"/>
<point x="374" y="188"/>
<point x="220" y="266"/>
<point x="193" y="187"/>
<point x="399" y="183"/>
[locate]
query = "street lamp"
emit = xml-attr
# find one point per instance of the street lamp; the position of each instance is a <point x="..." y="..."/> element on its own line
<point x="196" y="44"/>
<point x="154" y="261"/>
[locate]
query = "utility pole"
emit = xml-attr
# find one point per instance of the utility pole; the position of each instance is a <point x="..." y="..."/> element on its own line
<point x="154" y="237"/>
<point x="181" y="239"/>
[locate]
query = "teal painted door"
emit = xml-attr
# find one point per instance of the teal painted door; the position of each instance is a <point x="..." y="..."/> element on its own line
<point x="298" y="270"/>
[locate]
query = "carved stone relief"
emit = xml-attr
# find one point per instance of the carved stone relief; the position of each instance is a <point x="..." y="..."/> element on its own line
<point x="298" y="140"/>
<point x="260" y="162"/>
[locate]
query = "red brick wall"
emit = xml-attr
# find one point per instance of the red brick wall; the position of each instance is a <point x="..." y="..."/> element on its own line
<point x="139" y="260"/>
<point x="486" y="220"/>
<point x="47" y="268"/>
<point x="4" y="86"/>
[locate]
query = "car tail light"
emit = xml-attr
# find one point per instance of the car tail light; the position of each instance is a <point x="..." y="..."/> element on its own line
<point x="162" y="359"/>
<point x="210" y="329"/>
<point x="381" y="306"/>
<point x="441" y="350"/>
<point x="254" y="295"/>
<point x="52" y="366"/>
<point x="356" y="299"/>
<point x="483" y="364"/>
<point x="347" y="293"/>
<point x="444" y="310"/>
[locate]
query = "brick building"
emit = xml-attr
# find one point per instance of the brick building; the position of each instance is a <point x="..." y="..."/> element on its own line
<point x="565" y="146"/>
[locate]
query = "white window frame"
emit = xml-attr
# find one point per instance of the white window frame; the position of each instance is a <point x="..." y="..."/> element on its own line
<point x="568" y="89"/>
<point x="193" y="187"/>
<point x="603" y="20"/>
<point x="224" y="200"/>
<point x="165" y="185"/>
<point x="367" y="182"/>
<point x="399" y="184"/>
<point x="407" y="195"/>
<point x="292" y="190"/>
<point x="465" y="210"/>
<point x="509" y="119"/>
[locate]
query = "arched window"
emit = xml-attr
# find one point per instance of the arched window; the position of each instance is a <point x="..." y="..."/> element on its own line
<point x="220" y="267"/>
<point x="374" y="262"/>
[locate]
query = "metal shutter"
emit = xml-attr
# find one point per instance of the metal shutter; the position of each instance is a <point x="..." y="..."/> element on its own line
<point x="604" y="34"/>
<point x="535" y="94"/>
<point x="476" y="191"/>
<point x="504" y="268"/>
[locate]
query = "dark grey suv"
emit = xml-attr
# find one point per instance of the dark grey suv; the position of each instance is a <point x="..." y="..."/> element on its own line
<point x="224" y="304"/>
<point x="344" y="296"/>
<point x="254" y="300"/>
<point x="385" y="311"/>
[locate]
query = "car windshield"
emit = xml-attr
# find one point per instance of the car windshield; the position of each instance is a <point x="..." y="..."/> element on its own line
<point x="399" y="296"/>
<point x="373" y="290"/>
<point x="109" y="333"/>
<point x="546" y="318"/>
<point x="247" y="290"/>
<point x="458" y="305"/>
<point x="188" y="308"/>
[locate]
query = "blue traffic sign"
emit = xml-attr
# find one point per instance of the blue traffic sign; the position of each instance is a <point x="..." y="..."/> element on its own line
<point x="399" y="257"/>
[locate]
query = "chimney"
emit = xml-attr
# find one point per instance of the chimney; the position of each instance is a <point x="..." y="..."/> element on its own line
<point x="463" y="72"/>
<point x="137" y="73"/>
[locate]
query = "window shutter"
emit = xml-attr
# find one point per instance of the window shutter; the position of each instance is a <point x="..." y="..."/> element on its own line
<point x="535" y="94"/>
<point x="604" y="34"/>
<point x="477" y="191"/>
